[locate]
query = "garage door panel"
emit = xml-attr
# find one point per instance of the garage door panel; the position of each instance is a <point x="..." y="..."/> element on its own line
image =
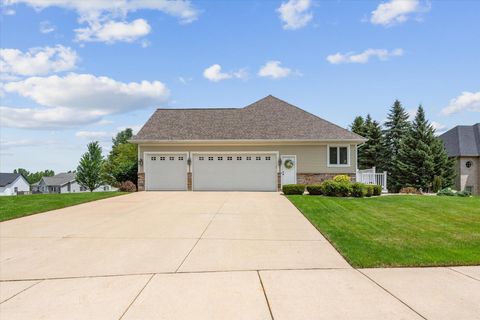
<point x="235" y="172"/>
<point x="166" y="171"/>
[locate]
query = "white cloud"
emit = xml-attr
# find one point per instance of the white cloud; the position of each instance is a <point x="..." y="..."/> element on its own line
<point x="37" y="61"/>
<point x="363" y="57"/>
<point x="111" y="31"/>
<point x="273" y="69"/>
<point x="467" y="101"/>
<point x="94" y="135"/>
<point x="214" y="73"/>
<point x="8" y="12"/>
<point x="396" y="11"/>
<point x="77" y="99"/>
<point x="439" y="127"/>
<point x="46" y="27"/>
<point x="135" y="128"/>
<point x="106" y="19"/>
<point x="294" y="14"/>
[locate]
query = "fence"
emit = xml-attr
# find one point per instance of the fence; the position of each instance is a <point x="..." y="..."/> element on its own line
<point x="369" y="176"/>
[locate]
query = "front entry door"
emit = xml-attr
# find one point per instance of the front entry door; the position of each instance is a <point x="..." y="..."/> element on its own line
<point x="289" y="170"/>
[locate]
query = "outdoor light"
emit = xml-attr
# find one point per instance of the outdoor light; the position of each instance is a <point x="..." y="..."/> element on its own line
<point x="189" y="161"/>
<point x="279" y="162"/>
<point x="140" y="162"/>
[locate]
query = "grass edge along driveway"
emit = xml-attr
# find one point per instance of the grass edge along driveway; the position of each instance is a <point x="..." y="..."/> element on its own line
<point x="12" y="207"/>
<point x="398" y="231"/>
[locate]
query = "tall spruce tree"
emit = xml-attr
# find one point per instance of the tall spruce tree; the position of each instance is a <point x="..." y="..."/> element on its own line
<point x="372" y="149"/>
<point x="444" y="167"/>
<point x="358" y="126"/>
<point x="396" y="128"/>
<point x="415" y="160"/>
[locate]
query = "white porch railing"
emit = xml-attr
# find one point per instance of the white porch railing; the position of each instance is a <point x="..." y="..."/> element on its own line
<point x="369" y="176"/>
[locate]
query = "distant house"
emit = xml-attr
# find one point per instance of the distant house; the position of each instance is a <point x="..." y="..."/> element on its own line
<point x="463" y="144"/>
<point x="13" y="184"/>
<point x="66" y="183"/>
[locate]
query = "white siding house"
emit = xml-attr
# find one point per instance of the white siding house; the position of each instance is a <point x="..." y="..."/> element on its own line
<point x="13" y="184"/>
<point x="65" y="183"/>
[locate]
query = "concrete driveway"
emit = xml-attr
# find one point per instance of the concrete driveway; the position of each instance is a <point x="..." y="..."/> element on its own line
<point x="184" y="255"/>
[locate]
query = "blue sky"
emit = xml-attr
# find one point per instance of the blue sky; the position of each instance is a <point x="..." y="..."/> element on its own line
<point x="73" y="72"/>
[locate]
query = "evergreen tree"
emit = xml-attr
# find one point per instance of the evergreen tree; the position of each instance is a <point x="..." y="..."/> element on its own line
<point x="358" y="126"/>
<point x="372" y="149"/>
<point x="415" y="159"/>
<point x="444" y="167"/>
<point x="90" y="169"/>
<point x="396" y="128"/>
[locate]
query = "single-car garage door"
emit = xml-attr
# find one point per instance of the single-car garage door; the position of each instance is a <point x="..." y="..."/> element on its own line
<point x="165" y="171"/>
<point x="234" y="172"/>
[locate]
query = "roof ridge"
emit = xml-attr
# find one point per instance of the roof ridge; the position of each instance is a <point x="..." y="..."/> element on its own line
<point x="203" y="108"/>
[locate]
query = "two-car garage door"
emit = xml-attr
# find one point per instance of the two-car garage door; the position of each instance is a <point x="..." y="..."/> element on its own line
<point x="212" y="171"/>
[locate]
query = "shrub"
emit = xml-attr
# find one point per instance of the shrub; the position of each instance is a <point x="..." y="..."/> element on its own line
<point x="437" y="184"/>
<point x="293" y="189"/>
<point x="408" y="190"/>
<point x="336" y="189"/>
<point x="369" y="190"/>
<point x="315" y="189"/>
<point x="358" y="190"/>
<point x="341" y="178"/>
<point x="127" y="186"/>
<point x="447" y="192"/>
<point x="464" y="193"/>
<point x="377" y="190"/>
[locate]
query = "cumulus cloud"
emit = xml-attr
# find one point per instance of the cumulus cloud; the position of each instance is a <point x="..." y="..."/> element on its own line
<point x="37" y="61"/>
<point x="439" y="127"/>
<point x="214" y="73"/>
<point x="77" y="99"/>
<point x="467" y="101"/>
<point x="46" y="27"/>
<point x="273" y="69"/>
<point x="363" y="57"/>
<point x="112" y="31"/>
<point x="10" y="144"/>
<point x="94" y="135"/>
<point x="396" y="11"/>
<point x="106" y="19"/>
<point x="295" y="14"/>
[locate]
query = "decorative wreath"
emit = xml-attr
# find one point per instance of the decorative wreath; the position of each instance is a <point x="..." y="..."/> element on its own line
<point x="288" y="164"/>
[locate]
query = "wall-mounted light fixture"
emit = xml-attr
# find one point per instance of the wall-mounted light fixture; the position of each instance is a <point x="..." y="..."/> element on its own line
<point x="189" y="161"/>
<point x="279" y="162"/>
<point x="140" y="162"/>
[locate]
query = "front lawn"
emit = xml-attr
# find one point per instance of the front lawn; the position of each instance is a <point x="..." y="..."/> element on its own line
<point x="18" y="206"/>
<point x="398" y="230"/>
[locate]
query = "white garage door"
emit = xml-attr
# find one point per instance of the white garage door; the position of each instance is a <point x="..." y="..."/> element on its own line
<point x="235" y="172"/>
<point x="165" y="171"/>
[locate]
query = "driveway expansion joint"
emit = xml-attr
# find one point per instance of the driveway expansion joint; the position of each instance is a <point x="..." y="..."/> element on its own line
<point x="265" y="295"/>
<point x="136" y="297"/>
<point x="463" y="274"/>
<point x="21" y="291"/>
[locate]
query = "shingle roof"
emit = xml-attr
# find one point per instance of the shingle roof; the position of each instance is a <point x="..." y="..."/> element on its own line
<point x="59" y="179"/>
<point x="462" y="141"/>
<point x="7" y="178"/>
<point x="267" y="119"/>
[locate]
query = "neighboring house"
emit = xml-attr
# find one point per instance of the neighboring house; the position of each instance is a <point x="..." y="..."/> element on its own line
<point x="256" y="148"/>
<point x="65" y="183"/>
<point x="463" y="144"/>
<point x="13" y="184"/>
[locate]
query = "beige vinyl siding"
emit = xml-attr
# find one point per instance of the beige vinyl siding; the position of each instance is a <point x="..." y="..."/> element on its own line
<point x="310" y="158"/>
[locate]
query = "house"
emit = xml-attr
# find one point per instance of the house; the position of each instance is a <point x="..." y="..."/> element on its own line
<point x="463" y="144"/>
<point x="13" y="184"/>
<point x="256" y="148"/>
<point x="66" y="183"/>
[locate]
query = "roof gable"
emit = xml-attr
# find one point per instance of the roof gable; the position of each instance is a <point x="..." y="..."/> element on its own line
<point x="59" y="179"/>
<point x="9" y="178"/>
<point x="267" y="119"/>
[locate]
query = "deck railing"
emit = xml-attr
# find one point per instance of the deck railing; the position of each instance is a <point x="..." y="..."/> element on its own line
<point x="369" y="176"/>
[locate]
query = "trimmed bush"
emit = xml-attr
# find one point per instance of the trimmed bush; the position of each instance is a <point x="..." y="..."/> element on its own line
<point x="315" y="189"/>
<point x="449" y="192"/>
<point x="336" y="189"/>
<point x="436" y="184"/>
<point x="342" y="178"/>
<point x="377" y="190"/>
<point x="369" y="189"/>
<point x="293" y="189"/>
<point x="127" y="186"/>
<point x="464" y="193"/>
<point x="358" y="190"/>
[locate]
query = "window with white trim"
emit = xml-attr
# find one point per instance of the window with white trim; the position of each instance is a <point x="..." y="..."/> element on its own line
<point x="229" y="158"/>
<point x="210" y="158"/>
<point x="180" y="158"/>
<point x="239" y="158"/>
<point x="338" y="156"/>
<point x="220" y="158"/>
<point x="172" y="158"/>
<point x="153" y="158"/>
<point x="162" y="158"/>
<point x="201" y="158"/>
<point x="258" y="158"/>
<point x="249" y="158"/>
<point x="267" y="158"/>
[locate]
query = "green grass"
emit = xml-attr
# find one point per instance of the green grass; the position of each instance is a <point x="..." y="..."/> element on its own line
<point x="393" y="231"/>
<point x="12" y="207"/>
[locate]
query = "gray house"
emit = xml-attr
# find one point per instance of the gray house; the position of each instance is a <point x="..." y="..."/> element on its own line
<point x="65" y="183"/>
<point x="13" y="184"/>
<point x="463" y="144"/>
<point x="259" y="147"/>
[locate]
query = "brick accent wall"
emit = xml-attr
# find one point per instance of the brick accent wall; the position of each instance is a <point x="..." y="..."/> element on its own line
<point x="315" y="178"/>
<point x="189" y="181"/>
<point x="141" y="181"/>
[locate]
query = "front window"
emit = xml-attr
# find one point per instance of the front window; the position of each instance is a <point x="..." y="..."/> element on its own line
<point x="338" y="156"/>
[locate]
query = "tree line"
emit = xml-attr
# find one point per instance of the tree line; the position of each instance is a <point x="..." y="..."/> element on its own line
<point x="34" y="177"/>
<point x="409" y="151"/>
